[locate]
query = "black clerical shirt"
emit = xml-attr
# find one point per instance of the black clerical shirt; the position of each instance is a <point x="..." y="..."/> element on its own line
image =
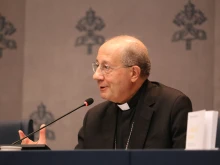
<point x="125" y="118"/>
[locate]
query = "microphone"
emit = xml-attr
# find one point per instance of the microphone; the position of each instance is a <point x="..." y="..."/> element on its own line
<point x="87" y="102"/>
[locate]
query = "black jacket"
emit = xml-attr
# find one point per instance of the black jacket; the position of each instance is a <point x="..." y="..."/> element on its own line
<point x="160" y="121"/>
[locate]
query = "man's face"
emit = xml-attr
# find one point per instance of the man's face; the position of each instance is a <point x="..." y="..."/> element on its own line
<point x="112" y="77"/>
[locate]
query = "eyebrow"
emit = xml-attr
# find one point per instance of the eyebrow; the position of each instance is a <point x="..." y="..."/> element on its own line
<point x="103" y="62"/>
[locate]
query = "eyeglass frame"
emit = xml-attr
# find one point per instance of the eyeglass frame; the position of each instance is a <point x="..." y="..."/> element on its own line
<point x="106" y="69"/>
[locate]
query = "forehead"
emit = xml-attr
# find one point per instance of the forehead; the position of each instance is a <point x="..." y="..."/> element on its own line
<point x="109" y="53"/>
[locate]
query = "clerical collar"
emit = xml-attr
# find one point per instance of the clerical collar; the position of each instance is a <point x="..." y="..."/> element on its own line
<point x="123" y="107"/>
<point x="134" y="100"/>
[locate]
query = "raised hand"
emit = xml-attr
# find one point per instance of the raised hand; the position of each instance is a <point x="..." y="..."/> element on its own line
<point x="42" y="137"/>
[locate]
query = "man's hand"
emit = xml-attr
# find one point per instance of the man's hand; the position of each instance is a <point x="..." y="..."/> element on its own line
<point x="42" y="137"/>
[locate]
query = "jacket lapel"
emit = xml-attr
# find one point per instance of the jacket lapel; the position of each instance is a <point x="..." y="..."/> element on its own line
<point x="108" y="126"/>
<point x="143" y="116"/>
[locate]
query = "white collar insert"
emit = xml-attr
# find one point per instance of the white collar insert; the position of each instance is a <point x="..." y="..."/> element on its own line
<point x="124" y="107"/>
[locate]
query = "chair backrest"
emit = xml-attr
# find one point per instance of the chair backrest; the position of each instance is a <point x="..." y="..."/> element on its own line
<point x="218" y="134"/>
<point x="9" y="130"/>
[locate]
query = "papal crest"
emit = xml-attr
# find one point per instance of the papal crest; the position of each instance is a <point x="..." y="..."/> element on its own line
<point x="90" y="24"/>
<point x="42" y="116"/>
<point x="189" y="19"/>
<point x="6" y="30"/>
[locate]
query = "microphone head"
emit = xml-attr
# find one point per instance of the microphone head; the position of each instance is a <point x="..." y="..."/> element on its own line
<point x="88" y="101"/>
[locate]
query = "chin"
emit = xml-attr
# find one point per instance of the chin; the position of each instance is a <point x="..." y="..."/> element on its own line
<point x="105" y="97"/>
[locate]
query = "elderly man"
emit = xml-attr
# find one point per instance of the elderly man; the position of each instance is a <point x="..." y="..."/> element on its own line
<point x="138" y="113"/>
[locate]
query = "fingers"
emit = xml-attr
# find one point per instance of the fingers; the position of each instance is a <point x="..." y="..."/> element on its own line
<point x="42" y="135"/>
<point x="22" y="135"/>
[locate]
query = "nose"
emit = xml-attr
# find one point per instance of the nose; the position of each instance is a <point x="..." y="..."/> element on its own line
<point x="98" y="75"/>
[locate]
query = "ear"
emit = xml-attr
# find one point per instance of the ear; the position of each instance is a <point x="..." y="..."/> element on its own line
<point x="135" y="73"/>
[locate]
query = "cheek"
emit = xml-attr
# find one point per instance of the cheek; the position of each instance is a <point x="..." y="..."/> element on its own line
<point x="117" y="82"/>
<point x="121" y="82"/>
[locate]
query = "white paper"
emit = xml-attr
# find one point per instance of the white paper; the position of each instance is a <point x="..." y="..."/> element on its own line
<point x="211" y="120"/>
<point x="201" y="130"/>
<point x="195" y="130"/>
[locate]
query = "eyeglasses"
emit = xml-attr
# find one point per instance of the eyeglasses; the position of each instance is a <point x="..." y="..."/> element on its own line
<point x="105" y="68"/>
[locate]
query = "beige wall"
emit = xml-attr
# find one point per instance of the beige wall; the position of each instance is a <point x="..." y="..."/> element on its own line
<point x="59" y="75"/>
<point x="217" y="57"/>
<point x="11" y="64"/>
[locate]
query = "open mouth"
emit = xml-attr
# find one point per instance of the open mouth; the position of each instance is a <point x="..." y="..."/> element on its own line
<point x="103" y="87"/>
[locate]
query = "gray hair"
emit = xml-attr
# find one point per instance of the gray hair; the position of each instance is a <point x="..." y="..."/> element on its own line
<point x="131" y="58"/>
<point x="134" y="52"/>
